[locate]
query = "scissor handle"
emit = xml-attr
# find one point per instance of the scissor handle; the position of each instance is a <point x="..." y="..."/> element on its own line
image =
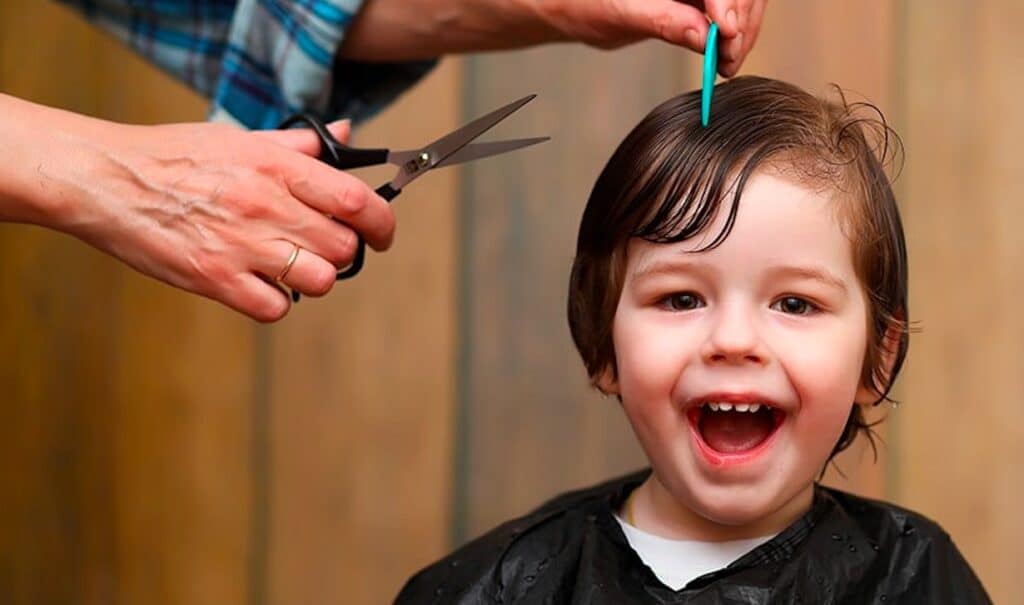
<point x="333" y="151"/>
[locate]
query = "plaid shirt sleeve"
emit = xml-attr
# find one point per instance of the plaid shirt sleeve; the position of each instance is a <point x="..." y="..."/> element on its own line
<point x="258" y="61"/>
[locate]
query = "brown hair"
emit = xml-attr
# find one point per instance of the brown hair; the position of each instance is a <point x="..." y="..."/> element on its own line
<point x="668" y="178"/>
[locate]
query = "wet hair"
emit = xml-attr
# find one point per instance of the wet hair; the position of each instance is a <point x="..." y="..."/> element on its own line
<point x="670" y="177"/>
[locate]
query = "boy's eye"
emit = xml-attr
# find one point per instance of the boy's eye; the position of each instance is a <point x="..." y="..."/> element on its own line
<point x="794" y="305"/>
<point x="683" y="301"/>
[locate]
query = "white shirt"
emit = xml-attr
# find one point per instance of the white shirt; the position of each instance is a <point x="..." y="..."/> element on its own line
<point x="677" y="562"/>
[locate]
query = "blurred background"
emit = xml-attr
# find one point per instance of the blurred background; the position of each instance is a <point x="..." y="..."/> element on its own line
<point x="156" y="448"/>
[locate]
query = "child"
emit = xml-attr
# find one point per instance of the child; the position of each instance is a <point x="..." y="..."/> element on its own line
<point x="742" y="289"/>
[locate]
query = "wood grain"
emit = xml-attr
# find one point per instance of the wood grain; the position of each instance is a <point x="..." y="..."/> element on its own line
<point x="158" y="449"/>
<point x="532" y="427"/>
<point x="961" y="431"/>
<point x="125" y="445"/>
<point x="363" y="391"/>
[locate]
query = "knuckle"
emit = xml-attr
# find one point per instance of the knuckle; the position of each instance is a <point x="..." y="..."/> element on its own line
<point x="388" y="225"/>
<point x="352" y="199"/>
<point x="210" y="269"/>
<point x="344" y="247"/>
<point x="665" y="25"/>
<point x="340" y="246"/>
<point x="248" y="205"/>
<point x="323" y="280"/>
<point x="269" y="308"/>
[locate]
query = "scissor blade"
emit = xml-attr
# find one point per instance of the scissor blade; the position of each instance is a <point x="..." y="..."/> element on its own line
<point x="476" y="151"/>
<point x="440" y="149"/>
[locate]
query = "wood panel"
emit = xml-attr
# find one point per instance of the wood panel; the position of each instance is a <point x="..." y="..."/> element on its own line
<point x="191" y="457"/>
<point x="155" y="448"/>
<point x="531" y="426"/>
<point x="185" y="455"/>
<point x="126" y="440"/>
<point x="962" y="428"/>
<point x="56" y="458"/>
<point x="362" y="393"/>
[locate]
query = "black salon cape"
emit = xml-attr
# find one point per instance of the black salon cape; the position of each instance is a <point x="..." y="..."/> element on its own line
<point x="572" y="551"/>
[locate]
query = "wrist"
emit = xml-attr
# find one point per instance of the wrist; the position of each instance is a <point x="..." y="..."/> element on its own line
<point x="45" y="164"/>
<point x="30" y="155"/>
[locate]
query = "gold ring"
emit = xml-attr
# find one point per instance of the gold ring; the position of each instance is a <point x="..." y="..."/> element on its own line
<point x="288" y="265"/>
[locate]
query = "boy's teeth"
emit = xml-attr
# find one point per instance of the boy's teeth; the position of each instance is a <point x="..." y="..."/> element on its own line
<point x="729" y="407"/>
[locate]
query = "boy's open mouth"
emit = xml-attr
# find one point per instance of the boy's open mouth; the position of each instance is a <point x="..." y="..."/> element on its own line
<point x="734" y="428"/>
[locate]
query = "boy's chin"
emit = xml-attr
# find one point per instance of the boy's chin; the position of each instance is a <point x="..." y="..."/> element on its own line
<point x="749" y="512"/>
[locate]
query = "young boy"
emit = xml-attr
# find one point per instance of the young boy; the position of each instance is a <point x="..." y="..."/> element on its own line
<point x="742" y="290"/>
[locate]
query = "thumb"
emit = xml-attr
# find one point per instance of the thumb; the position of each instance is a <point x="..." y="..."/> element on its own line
<point x="304" y="140"/>
<point x="671" y="21"/>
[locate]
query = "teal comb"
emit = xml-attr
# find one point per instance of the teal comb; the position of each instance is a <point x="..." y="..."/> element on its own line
<point x="710" y="67"/>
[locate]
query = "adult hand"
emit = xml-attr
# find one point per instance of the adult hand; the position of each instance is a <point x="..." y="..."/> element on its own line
<point x="398" y="30"/>
<point x="205" y="207"/>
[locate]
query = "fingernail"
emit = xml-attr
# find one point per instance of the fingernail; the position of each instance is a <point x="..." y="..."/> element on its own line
<point x="692" y="38"/>
<point x="730" y="19"/>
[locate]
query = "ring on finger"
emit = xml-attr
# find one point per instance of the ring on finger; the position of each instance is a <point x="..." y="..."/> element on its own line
<point x="288" y="265"/>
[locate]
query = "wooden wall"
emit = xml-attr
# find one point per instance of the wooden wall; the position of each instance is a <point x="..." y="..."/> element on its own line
<point x="157" y="449"/>
<point x="961" y="432"/>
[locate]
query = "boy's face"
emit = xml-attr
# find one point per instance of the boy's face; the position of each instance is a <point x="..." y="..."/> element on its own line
<point x="774" y="320"/>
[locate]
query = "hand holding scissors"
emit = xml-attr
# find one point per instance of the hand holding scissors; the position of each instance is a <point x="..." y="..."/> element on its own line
<point x="453" y="148"/>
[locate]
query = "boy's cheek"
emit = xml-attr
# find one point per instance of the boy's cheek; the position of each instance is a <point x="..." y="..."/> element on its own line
<point x="649" y="363"/>
<point x="821" y="379"/>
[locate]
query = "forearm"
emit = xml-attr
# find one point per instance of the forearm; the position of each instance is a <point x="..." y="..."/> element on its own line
<point x="41" y="151"/>
<point x="401" y="30"/>
<point x="404" y="30"/>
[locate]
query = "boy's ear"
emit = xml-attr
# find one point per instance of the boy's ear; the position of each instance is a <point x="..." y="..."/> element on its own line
<point x="866" y="394"/>
<point x="606" y="382"/>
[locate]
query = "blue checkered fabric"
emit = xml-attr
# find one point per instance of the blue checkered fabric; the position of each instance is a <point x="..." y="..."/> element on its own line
<point x="258" y="61"/>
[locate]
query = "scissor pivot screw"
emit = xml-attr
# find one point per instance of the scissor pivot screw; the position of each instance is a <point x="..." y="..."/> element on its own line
<point x="423" y="159"/>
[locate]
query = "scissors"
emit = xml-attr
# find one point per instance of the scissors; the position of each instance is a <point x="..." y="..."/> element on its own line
<point x="453" y="148"/>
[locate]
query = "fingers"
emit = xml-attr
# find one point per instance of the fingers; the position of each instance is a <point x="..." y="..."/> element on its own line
<point x="304" y="140"/>
<point x="257" y="295"/>
<point x="726" y="13"/>
<point x="345" y="198"/>
<point x="674" y="22"/>
<point x="753" y="27"/>
<point x="310" y="274"/>
<point x="739" y="23"/>
<point x="686" y="24"/>
<point x="259" y="299"/>
<point x="333" y="193"/>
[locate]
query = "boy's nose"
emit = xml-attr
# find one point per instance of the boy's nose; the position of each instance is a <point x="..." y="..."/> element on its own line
<point x="733" y="338"/>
